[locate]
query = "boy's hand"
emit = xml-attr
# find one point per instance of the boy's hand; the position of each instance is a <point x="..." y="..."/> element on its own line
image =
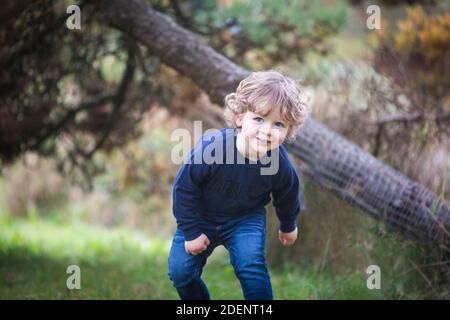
<point x="289" y="238"/>
<point x="197" y="245"/>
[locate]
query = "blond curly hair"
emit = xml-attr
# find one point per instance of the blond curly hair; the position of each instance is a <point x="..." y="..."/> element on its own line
<point x="260" y="92"/>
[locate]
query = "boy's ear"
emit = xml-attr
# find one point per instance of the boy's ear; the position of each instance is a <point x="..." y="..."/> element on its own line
<point x="238" y="120"/>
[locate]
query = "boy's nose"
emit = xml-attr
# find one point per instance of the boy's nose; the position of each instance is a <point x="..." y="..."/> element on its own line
<point x="266" y="129"/>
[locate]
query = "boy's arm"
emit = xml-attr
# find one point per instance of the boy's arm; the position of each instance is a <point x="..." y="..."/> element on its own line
<point x="187" y="195"/>
<point x="285" y="194"/>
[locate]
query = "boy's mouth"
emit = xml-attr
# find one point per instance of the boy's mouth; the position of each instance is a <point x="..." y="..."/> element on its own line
<point x="264" y="141"/>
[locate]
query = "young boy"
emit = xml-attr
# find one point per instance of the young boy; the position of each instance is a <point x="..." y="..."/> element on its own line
<point x="222" y="203"/>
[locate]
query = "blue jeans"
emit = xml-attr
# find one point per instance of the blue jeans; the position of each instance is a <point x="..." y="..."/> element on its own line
<point x="244" y="238"/>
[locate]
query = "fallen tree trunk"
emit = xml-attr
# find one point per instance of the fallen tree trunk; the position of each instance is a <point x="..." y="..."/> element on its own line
<point x="330" y="160"/>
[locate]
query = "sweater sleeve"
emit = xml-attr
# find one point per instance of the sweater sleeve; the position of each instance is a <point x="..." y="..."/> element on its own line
<point x="286" y="199"/>
<point x="187" y="193"/>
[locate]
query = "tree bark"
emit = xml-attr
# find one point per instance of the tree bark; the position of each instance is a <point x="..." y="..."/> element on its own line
<point x="328" y="159"/>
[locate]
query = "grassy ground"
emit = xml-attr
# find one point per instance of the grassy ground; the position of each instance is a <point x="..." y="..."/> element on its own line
<point x="125" y="264"/>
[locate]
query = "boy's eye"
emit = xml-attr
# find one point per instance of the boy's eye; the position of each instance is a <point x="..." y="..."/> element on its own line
<point x="279" y="125"/>
<point x="258" y="119"/>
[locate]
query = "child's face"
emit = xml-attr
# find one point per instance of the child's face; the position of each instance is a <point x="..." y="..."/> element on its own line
<point x="262" y="133"/>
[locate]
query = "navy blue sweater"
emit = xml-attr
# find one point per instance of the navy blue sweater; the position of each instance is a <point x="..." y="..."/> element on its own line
<point x="220" y="191"/>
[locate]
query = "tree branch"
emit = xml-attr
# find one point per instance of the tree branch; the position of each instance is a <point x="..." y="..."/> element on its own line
<point x="413" y="117"/>
<point x="119" y="97"/>
<point x="53" y="129"/>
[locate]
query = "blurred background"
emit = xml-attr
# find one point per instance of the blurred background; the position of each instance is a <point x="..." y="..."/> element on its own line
<point x="89" y="183"/>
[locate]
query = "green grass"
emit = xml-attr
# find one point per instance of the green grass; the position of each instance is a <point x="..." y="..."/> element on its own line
<point x="115" y="264"/>
<point x="128" y="264"/>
